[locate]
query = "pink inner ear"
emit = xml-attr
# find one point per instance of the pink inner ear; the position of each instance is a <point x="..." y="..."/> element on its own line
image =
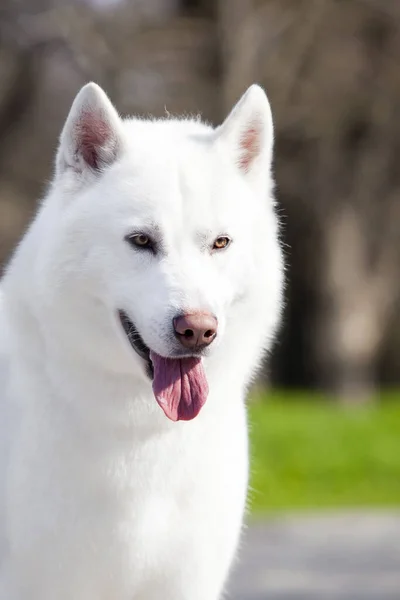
<point x="93" y="133"/>
<point x="249" y="145"/>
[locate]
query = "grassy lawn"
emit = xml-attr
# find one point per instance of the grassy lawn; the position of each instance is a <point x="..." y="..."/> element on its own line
<point x="313" y="454"/>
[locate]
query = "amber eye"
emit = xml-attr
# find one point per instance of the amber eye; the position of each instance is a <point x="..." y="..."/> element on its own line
<point x="221" y="242"/>
<point x="141" y="241"/>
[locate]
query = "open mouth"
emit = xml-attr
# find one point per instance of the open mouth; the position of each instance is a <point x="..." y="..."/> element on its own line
<point x="179" y="384"/>
<point x="136" y="342"/>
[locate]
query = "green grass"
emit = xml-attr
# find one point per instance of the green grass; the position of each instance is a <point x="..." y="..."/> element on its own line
<point x="314" y="454"/>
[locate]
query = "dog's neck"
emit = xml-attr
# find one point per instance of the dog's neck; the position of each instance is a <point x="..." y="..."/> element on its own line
<point x="42" y="371"/>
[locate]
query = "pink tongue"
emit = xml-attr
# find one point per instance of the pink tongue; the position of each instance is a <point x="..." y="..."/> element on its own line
<point x="180" y="386"/>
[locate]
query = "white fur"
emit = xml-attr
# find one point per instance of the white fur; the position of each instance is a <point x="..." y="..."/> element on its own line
<point x="101" y="496"/>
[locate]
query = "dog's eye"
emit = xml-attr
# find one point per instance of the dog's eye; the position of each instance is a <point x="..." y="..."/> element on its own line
<point x="140" y="240"/>
<point x="221" y="242"/>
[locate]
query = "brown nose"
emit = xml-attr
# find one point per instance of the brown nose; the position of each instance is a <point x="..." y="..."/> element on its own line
<point x="195" y="330"/>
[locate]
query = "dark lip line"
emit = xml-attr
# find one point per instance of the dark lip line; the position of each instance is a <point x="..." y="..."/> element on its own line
<point x="136" y="341"/>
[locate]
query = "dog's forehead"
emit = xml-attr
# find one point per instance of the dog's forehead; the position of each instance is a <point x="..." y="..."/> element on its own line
<point x="171" y="171"/>
<point x="170" y="149"/>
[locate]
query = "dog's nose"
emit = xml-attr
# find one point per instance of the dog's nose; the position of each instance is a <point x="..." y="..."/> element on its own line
<point x="195" y="330"/>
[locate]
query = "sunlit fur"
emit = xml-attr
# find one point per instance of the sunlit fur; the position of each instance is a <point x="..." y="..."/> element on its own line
<point x="102" y="497"/>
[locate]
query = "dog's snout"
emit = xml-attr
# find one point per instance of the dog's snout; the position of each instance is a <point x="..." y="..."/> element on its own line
<point x="195" y="330"/>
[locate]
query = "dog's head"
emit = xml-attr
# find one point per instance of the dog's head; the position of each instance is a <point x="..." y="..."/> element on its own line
<point x="163" y="243"/>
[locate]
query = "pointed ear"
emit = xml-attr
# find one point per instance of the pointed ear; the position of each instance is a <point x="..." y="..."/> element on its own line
<point x="247" y="133"/>
<point x="91" y="139"/>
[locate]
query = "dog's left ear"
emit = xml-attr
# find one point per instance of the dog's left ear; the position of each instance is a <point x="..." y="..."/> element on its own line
<point x="92" y="136"/>
<point x="247" y="133"/>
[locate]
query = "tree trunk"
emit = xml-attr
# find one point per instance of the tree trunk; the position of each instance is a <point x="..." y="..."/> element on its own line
<point x="356" y="306"/>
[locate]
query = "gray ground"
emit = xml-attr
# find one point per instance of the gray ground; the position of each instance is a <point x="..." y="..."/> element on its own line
<point x="331" y="557"/>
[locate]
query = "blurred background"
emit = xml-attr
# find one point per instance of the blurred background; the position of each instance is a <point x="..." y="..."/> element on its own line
<point x="325" y="414"/>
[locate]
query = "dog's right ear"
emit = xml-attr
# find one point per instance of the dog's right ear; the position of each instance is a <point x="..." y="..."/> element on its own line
<point x="92" y="136"/>
<point x="247" y="135"/>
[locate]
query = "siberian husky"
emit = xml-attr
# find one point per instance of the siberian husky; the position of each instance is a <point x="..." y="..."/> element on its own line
<point x="134" y="313"/>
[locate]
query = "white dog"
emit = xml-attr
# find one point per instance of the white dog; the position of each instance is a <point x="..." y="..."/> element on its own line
<point x="134" y="313"/>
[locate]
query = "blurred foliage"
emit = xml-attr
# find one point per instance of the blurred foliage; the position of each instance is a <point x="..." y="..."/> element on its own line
<point x="331" y="69"/>
<point x="310" y="454"/>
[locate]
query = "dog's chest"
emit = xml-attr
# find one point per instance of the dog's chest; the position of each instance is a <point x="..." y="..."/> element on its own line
<point x="170" y="495"/>
<point x="113" y="515"/>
